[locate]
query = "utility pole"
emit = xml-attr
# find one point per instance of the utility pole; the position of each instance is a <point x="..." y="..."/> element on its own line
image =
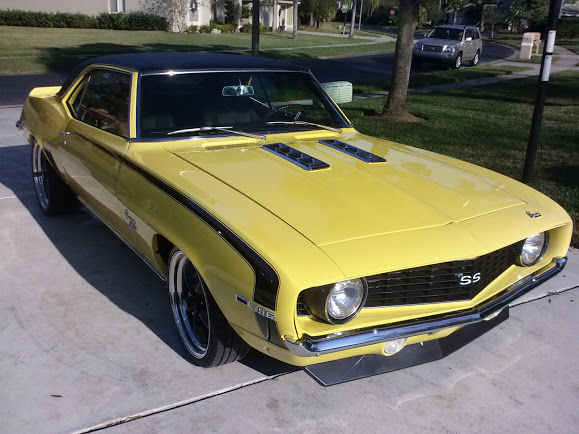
<point x="554" y="12"/>
<point x="255" y="28"/>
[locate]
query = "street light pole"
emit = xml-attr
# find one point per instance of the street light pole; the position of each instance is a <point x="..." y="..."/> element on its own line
<point x="554" y="11"/>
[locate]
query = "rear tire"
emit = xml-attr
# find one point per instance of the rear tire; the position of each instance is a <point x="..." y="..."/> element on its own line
<point x="206" y="334"/>
<point x="54" y="196"/>
<point x="457" y="61"/>
<point x="475" y="59"/>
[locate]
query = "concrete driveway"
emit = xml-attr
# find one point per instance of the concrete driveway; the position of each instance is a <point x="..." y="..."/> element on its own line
<point x="87" y="342"/>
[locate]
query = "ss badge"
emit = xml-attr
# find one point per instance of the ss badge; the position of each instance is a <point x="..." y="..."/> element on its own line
<point x="468" y="280"/>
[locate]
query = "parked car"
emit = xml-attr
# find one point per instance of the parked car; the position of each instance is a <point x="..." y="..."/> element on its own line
<point x="278" y="225"/>
<point x="451" y="45"/>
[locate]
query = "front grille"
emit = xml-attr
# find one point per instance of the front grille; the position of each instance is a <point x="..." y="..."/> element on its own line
<point x="436" y="283"/>
<point x="432" y="48"/>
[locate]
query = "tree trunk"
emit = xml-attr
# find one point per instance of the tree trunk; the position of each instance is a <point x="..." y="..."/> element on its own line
<point x="295" y="18"/>
<point x="274" y="17"/>
<point x="351" y="35"/>
<point x="312" y="22"/>
<point x="255" y="28"/>
<point x="220" y="11"/>
<point x="455" y="18"/>
<point x="492" y="30"/>
<point x="395" y="107"/>
<point x="237" y="7"/>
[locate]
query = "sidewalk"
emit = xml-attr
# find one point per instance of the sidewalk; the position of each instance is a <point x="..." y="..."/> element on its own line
<point x="377" y="38"/>
<point x="566" y="61"/>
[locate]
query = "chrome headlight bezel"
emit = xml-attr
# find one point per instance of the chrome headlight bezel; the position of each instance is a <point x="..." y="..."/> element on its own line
<point x="520" y="258"/>
<point x="316" y="301"/>
<point x="449" y="50"/>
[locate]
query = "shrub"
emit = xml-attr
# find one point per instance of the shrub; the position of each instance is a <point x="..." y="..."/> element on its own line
<point x="205" y="29"/>
<point x="193" y="29"/>
<point x="130" y="21"/>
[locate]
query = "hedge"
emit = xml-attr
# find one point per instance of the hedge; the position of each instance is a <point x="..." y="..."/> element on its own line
<point x="567" y="28"/>
<point x="130" y="21"/>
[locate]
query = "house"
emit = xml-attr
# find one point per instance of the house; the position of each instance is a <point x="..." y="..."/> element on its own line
<point x="204" y="14"/>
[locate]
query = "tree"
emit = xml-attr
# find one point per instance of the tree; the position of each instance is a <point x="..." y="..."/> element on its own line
<point x="351" y="35"/>
<point x="523" y="11"/>
<point x="455" y="6"/>
<point x="494" y="16"/>
<point x="174" y="10"/>
<point x="319" y="10"/>
<point x="220" y="11"/>
<point x="295" y="35"/>
<point x="395" y="108"/>
<point x="237" y="8"/>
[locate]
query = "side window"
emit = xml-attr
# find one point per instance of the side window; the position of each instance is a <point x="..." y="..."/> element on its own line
<point x="476" y="34"/>
<point x="105" y="102"/>
<point x="74" y="101"/>
<point x="468" y="33"/>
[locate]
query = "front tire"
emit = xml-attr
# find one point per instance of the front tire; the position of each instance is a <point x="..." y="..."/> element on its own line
<point x="457" y="61"/>
<point x="475" y="59"/>
<point x="206" y="334"/>
<point x="54" y="196"/>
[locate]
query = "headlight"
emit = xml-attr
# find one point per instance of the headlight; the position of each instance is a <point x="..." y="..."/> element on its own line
<point x="533" y="249"/>
<point x="418" y="46"/>
<point x="449" y="49"/>
<point x="337" y="303"/>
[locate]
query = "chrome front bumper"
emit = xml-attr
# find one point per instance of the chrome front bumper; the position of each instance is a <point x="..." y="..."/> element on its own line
<point x="315" y="346"/>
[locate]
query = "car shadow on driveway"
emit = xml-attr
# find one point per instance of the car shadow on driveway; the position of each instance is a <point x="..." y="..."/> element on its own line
<point x="105" y="262"/>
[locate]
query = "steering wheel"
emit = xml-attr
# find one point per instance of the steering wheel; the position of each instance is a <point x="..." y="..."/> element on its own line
<point x="273" y="112"/>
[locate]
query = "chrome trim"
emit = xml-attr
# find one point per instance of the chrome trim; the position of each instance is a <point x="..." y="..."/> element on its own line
<point x="315" y="346"/>
<point x="203" y="71"/>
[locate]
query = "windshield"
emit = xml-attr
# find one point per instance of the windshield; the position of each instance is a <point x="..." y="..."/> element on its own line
<point x="259" y="102"/>
<point x="445" y="33"/>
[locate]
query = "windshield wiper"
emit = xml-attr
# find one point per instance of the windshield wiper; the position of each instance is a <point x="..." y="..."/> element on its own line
<point x="209" y="128"/>
<point x="310" y="124"/>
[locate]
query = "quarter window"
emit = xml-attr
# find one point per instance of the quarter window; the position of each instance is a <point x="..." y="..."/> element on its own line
<point x="105" y="102"/>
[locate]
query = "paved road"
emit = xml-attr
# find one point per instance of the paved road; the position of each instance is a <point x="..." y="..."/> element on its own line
<point x="15" y="88"/>
<point x="87" y="340"/>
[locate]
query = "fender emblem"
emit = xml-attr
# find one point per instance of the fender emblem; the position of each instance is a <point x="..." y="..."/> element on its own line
<point x="131" y="221"/>
<point x="533" y="215"/>
<point x="255" y="307"/>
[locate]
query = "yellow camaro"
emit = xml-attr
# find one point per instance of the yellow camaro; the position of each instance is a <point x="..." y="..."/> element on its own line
<point x="276" y="223"/>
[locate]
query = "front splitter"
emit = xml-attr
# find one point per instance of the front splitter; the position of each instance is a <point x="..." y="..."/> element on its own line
<point x="354" y="368"/>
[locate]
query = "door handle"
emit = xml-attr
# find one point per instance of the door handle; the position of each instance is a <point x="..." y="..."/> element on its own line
<point x="65" y="133"/>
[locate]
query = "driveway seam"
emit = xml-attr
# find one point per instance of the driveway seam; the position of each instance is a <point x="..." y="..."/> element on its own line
<point x="179" y="404"/>
<point x="548" y="294"/>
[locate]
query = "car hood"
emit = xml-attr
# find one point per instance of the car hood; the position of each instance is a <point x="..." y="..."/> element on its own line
<point x="352" y="199"/>
<point x="439" y="42"/>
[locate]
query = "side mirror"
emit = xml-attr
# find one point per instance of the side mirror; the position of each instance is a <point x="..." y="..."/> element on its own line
<point x="424" y="35"/>
<point x="468" y="39"/>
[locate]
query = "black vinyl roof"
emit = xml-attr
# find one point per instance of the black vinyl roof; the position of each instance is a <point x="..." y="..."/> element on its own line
<point x="172" y="61"/>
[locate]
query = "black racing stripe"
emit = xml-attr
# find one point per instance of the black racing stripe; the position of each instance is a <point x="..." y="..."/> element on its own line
<point x="266" y="278"/>
<point x="113" y="154"/>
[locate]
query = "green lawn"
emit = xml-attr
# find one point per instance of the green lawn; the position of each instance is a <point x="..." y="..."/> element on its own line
<point x="570" y="44"/>
<point x="441" y="76"/>
<point x="489" y="126"/>
<point x="25" y="49"/>
<point x="332" y="27"/>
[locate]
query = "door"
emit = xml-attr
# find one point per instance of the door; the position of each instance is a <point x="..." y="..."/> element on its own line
<point x="468" y="51"/>
<point x="96" y="138"/>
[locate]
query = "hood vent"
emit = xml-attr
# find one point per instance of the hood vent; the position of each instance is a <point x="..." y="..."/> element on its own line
<point x="305" y="161"/>
<point x="358" y="153"/>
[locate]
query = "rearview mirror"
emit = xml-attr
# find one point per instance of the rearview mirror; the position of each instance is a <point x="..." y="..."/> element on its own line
<point x="239" y="90"/>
